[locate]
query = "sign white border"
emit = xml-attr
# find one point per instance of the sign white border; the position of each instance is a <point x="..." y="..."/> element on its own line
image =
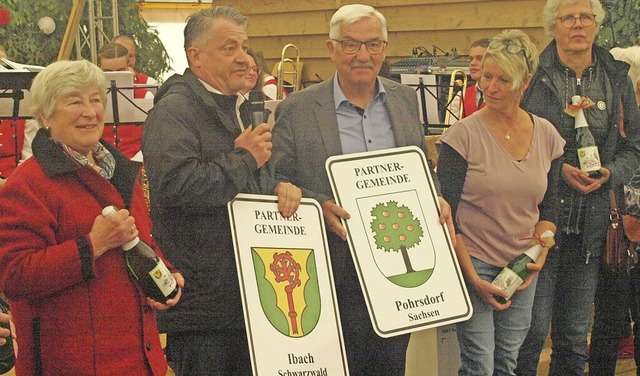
<point x="260" y="233"/>
<point x="402" y="296"/>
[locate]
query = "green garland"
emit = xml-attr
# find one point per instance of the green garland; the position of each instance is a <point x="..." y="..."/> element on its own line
<point x="26" y="44"/>
<point x="625" y="15"/>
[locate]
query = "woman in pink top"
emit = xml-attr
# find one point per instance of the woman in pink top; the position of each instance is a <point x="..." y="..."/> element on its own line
<point x="495" y="167"/>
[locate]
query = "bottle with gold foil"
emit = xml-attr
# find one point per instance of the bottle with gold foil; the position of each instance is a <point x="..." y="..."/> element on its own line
<point x="146" y="268"/>
<point x="586" y="147"/>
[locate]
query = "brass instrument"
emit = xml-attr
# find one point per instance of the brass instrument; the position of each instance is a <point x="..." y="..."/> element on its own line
<point x="294" y="72"/>
<point x="458" y="80"/>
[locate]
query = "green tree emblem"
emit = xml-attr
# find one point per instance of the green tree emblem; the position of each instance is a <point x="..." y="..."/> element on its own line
<point x="396" y="229"/>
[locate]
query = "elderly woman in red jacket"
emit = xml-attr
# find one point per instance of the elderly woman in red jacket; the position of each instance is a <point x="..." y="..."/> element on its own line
<point x="62" y="267"/>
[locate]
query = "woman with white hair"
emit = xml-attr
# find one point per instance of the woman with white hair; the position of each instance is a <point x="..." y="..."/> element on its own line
<point x="62" y="267"/>
<point x="572" y="64"/>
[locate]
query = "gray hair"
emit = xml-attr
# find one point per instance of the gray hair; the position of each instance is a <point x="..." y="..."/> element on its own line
<point x="550" y="13"/>
<point x="352" y="13"/>
<point x="514" y="64"/>
<point x="62" y="79"/>
<point x="198" y="23"/>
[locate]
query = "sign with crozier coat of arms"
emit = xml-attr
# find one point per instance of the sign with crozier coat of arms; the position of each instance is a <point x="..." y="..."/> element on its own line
<point x="290" y="306"/>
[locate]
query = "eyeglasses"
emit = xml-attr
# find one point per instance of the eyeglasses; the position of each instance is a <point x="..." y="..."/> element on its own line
<point x="352" y="46"/>
<point x="255" y="69"/>
<point x="569" y="20"/>
<point x="513" y="48"/>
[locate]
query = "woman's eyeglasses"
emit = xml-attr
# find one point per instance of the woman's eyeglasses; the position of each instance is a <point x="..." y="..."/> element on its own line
<point x="513" y="48"/>
<point x="569" y="20"/>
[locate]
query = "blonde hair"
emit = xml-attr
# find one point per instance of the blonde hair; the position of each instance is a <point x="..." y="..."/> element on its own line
<point x="62" y="79"/>
<point x="516" y="65"/>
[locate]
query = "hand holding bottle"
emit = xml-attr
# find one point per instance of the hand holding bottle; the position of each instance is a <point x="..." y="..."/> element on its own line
<point x="145" y="267"/>
<point x="519" y="269"/>
<point x="483" y="288"/>
<point x="581" y="181"/>
<point x="171" y="302"/>
<point x="7" y="354"/>
<point x="5" y="333"/>
<point x="588" y="154"/>
<point x="495" y="296"/>
<point x="112" y="231"/>
<point x="535" y="267"/>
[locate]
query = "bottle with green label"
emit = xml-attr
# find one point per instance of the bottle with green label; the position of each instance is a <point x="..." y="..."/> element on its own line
<point x="588" y="154"/>
<point x="146" y="268"/>
<point x="515" y="273"/>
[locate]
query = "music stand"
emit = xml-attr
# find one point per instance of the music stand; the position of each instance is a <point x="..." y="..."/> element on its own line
<point x="121" y="107"/>
<point x="14" y="85"/>
<point x="427" y="92"/>
<point x="429" y="89"/>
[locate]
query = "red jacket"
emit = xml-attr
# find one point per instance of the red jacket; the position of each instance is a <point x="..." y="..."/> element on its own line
<point x="10" y="145"/>
<point x="73" y="315"/>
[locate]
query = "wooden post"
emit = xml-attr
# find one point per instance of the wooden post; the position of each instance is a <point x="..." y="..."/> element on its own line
<point x="72" y="29"/>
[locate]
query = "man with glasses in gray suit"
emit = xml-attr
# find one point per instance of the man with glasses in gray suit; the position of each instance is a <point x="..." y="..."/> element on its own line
<point x="355" y="111"/>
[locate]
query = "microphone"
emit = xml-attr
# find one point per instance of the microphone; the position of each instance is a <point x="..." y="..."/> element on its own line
<point x="256" y="106"/>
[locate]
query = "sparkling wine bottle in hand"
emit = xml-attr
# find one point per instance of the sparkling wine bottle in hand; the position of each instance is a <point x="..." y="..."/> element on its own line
<point x="146" y="268"/>
<point x="515" y="273"/>
<point x="7" y="356"/>
<point x="588" y="154"/>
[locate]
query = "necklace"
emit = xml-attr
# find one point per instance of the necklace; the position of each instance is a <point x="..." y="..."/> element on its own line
<point x="507" y="136"/>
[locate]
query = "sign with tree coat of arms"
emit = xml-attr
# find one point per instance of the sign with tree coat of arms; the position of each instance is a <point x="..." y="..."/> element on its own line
<point x="404" y="257"/>
<point x="290" y="306"/>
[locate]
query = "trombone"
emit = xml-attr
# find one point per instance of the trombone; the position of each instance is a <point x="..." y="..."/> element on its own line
<point x="458" y="80"/>
<point x="293" y="72"/>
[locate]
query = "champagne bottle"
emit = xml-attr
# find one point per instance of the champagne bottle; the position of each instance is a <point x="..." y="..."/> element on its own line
<point x="585" y="143"/>
<point x="146" y="268"/>
<point x="7" y="356"/>
<point x="516" y="272"/>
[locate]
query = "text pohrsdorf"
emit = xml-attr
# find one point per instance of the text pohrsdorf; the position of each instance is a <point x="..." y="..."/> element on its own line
<point x="412" y="304"/>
